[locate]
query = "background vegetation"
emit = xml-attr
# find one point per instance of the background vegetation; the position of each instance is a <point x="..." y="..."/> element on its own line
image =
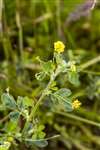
<point x="28" y="28"/>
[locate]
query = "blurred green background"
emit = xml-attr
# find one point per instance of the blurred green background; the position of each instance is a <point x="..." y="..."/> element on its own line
<point x="28" y="28"/>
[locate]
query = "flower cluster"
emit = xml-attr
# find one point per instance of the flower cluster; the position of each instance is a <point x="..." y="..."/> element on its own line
<point x="76" y="104"/>
<point x="59" y="47"/>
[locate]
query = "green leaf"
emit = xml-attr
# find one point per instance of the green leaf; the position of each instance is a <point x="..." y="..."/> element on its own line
<point x="61" y="97"/>
<point x="47" y="67"/>
<point x="68" y="107"/>
<point x="63" y="66"/>
<point x="38" y="132"/>
<point x="20" y="103"/>
<point x="14" y="116"/>
<point x="24" y="102"/>
<point x="58" y="58"/>
<point x="63" y="93"/>
<point x="28" y="101"/>
<point x="41" y="135"/>
<point x="53" y="86"/>
<point x="61" y="63"/>
<point x="26" y="130"/>
<point x="40" y="76"/>
<point x="41" y="127"/>
<point x="73" y="78"/>
<point x="11" y="126"/>
<point x="39" y="143"/>
<point x="8" y="101"/>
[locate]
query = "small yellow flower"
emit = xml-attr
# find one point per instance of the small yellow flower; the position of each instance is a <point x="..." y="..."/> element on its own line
<point x="59" y="46"/>
<point x="76" y="104"/>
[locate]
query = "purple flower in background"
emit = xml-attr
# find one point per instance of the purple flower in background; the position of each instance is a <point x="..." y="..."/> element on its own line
<point x="81" y="10"/>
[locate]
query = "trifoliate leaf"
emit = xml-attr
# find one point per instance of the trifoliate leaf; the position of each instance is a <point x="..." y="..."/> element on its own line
<point x="61" y="97"/>
<point x="47" y="67"/>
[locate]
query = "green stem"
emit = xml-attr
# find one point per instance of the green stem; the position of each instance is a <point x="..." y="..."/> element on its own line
<point x="44" y="93"/>
<point x="90" y="62"/>
<point x="20" y="31"/>
<point x="4" y="119"/>
<point x="4" y="35"/>
<point x="1" y="10"/>
<point x="78" y="118"/>
<point x="88" y="114"/>
<point x="91" y="72"/>
<point x="33" y="112"/>
<point x="34" y="109"/>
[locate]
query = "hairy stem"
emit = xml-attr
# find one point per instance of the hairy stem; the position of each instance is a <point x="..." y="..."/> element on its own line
<point x="32" y="114"/>
<point x="44" y="93"/>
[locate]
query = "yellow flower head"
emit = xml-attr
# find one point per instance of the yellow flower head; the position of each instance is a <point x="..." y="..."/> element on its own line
<point x="76" y="104"/>
<point x="59" y="47"/>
